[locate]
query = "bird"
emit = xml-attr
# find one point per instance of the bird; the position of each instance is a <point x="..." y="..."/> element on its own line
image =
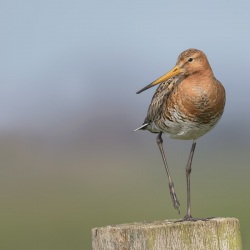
<point x="187" y="104"/>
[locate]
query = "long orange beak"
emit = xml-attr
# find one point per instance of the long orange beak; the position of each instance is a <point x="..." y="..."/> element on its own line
<point x="173" y="72"/>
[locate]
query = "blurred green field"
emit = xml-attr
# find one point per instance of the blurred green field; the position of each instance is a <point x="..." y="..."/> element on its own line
<point x="52" y="194"/>
<point x="69" y="161"/>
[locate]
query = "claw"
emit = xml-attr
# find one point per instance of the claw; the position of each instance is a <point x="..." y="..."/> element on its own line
<point x="190" y="218"/>
<point x="173" y="195"/>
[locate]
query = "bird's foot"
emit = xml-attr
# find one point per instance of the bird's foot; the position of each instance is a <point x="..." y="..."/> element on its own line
<point x="175" y="201"/>
<point x="190" y="218"/>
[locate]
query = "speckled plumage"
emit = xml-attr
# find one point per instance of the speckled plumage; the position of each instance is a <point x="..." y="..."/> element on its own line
<point x="187" y="104"/>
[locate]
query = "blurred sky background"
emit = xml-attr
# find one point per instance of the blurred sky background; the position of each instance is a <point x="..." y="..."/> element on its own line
<point x="69" y="71"/>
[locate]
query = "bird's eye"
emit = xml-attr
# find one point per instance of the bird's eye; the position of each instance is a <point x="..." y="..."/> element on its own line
<point x="190" y="59"/>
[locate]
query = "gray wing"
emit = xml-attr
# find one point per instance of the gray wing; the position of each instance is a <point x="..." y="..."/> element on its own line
<point x="159" y="99"/>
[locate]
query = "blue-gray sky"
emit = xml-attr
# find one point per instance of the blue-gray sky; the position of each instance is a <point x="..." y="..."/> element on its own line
<point x="69" y="71"/>
<point x="59" y="57"/>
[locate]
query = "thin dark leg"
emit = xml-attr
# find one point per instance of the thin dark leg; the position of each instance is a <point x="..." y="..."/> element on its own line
<point x="170" y="181"/>
<point x="188" y="172"/>
<point x="188" y="216"/>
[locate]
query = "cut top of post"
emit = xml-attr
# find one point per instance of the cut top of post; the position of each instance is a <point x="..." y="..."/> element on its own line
<point x="213" y="234"/>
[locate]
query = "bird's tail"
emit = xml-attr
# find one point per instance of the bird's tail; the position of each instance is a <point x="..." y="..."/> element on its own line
<point x="142" y="127"/>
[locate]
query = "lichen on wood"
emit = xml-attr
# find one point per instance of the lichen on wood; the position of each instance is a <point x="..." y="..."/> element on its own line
<point x="213" y="234"/>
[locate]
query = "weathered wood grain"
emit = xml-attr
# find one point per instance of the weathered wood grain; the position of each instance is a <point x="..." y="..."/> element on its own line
<point x="217" y="233"/>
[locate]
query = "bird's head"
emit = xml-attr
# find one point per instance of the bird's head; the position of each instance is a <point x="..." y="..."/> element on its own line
<point x="189" y="62"/>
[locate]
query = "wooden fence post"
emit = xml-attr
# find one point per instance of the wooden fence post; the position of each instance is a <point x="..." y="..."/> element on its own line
<point x="217" y="233"/>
